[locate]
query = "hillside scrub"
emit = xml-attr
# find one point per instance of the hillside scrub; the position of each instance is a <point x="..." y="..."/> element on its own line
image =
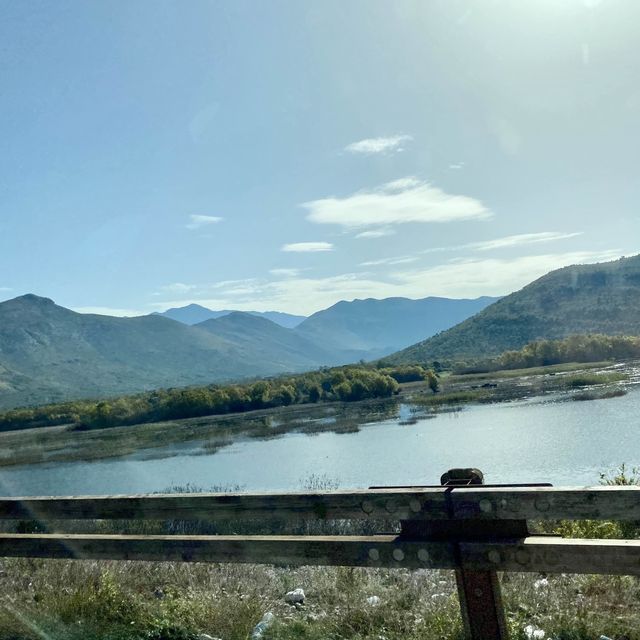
<point x="577" y="300"/>
<point x="345" y="384"/>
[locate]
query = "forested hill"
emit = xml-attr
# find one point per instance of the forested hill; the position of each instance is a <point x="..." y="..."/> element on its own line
<point x="594" y="298"/>
<point x="49" y="353"/>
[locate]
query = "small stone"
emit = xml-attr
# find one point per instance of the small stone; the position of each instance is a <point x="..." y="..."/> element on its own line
<point x="543" y="583"/>
<point x="159" y="593"/>
<point x="373" y="601"/>
<point x="531" y="632"/>
<point x="294" y="597"/>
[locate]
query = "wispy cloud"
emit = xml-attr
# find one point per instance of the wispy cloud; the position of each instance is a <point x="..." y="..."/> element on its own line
<point x="461" y="278"/>
<point x="284" y="273"/>
<point x="307" y="247"/>
<point x="389" y="261"/>
<point x="507" y="241"/>
<point x="522" y="239"/>
<point x="376" y="233"/>
<point x="456" y="165"/>
<point x="370" y="146"/>
<point x="397" y="202"/>
<point x="197" y="221"/>
<point x="109" y="311"/>
<point x="178" y="287"/>
<point x="491" y="276"/>
<point x="5" y="289"/>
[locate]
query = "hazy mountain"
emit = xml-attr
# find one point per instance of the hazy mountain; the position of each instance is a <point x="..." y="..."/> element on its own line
<point x="593" y="298"/>
<point x="195" y="313"/>
<point x="50" y="353"/>
<point x="263" y="339"/>
<point x="379" y="327"/>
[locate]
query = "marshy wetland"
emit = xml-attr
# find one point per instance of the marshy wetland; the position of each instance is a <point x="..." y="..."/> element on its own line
<point x="518" y="426"/>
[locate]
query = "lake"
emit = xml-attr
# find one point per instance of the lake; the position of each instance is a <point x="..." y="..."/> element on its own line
<point x="544" y="439"/>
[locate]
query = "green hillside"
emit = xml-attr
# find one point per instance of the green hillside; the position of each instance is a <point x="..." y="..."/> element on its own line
<point x="594" y="298"/>
<point x="49" y="353"/>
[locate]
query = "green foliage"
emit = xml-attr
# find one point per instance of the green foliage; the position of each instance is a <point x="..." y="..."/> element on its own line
<point x="577" y="348"/>
<point x="345" y="384"/>
<point x="586" y="348"/>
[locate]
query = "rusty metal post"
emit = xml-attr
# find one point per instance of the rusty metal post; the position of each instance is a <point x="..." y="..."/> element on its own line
<point x="483" y="615"/>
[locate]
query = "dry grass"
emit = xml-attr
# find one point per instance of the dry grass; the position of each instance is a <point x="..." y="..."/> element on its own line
<point x="73" y="600"/>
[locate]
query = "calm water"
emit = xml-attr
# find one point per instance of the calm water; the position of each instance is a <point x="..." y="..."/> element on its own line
<point x="535" y="440"/>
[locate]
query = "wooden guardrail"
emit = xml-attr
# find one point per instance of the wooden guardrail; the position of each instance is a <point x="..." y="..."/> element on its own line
<point x="474" y="529"/>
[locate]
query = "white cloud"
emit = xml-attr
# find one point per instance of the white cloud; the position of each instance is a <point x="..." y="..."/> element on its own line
<point x="389" y="261"/>
<point x="522" y="238"/>
<point x="178" y="287"/>
<point x="370" y="146"/>
<point x="6" y="289"/>
<point x="508" y="241"/>
<point x="456" y="165"/>
<point x="376" y="233"/>
<point x="109" y="311"/>
<point x="397" y="202"/>
<point x="491" y="276"/>
<point x="465" y="278"/>
<point x="197" y="222"/>
<point x="284" y="273"/>
<point x="307" y="247"/>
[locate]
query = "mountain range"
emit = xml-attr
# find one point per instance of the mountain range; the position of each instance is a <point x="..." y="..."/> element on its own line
<point x="590" y="298"/>
<point x="195" y="313"/>
<point x="49" y="353"/>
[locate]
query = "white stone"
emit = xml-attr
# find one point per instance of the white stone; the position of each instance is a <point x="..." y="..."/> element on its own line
<point x="373" y="601"/>
<point x="543" y="583"/>
<point x="532" y="632"/>
<point x="294" y="597"/>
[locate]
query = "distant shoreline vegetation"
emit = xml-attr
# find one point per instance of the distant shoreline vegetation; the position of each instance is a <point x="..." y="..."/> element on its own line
<point x="344" y="384"/>
<point x="543" y="353"/>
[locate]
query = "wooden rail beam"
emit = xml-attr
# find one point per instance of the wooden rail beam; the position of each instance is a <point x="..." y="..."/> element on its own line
<point x="360" y="504"/>
<point x="430" y="503"/>
<point x="533" y="554"/>
<point x="361" y="551"/>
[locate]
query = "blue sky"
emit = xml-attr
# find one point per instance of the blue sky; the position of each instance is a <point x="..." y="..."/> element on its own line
<point x="286" y="155"/>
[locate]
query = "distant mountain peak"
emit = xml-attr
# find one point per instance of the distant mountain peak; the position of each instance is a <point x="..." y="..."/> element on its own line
<point x="32" y="298"/>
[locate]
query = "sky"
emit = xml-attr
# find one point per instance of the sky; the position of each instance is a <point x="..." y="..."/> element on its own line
<point x="285" y="155"/>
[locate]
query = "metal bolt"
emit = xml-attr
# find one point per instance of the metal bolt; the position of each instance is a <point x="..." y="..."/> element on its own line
<point x="367" y="506"/>
<point x="398" y="554"/>
<point x="415" y="505"/>
<point x="503" y="503"/>
<point x="391" y="505"/>
<point x="423" y="555"/>
<point x="486" y="506"/>
<point x="494" y="556"/>
<point x="522" y="557"/>
<point x="374" y="555"/>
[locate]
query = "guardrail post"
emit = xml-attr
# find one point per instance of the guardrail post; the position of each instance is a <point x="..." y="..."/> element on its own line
<point x="479" y="592"/>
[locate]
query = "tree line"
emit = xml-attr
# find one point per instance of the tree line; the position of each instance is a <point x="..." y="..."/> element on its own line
<point x="576" y="348"/>
<point x="347" y="384"/>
